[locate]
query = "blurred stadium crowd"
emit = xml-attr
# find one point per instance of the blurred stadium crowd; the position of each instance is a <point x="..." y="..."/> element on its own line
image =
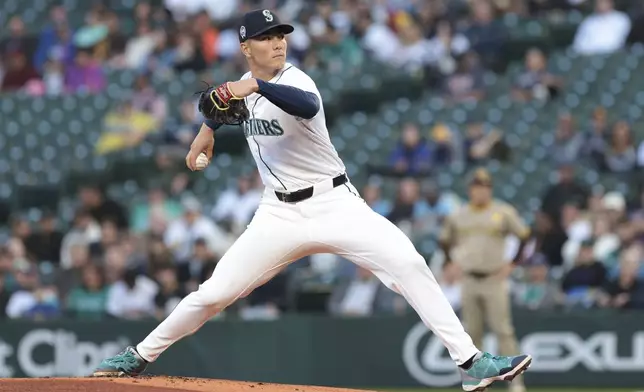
<point x="136" y="258"/>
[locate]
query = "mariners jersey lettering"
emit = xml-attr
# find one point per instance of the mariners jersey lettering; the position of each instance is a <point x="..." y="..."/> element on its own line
<point x="291" y="153"/>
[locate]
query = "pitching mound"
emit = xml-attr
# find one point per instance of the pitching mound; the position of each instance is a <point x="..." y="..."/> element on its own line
<point x="151" y="384"/>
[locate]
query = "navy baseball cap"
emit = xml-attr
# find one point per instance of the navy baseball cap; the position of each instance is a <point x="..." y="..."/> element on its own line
<point x="258" y="22"/>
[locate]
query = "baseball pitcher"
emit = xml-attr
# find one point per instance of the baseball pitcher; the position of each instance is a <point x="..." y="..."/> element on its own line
<point x="309" y="206"/>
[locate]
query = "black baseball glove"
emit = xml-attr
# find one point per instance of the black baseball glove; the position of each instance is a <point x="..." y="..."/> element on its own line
<point x="220" y="105"/>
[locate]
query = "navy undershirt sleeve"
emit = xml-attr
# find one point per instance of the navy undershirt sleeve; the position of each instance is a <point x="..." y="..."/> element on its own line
<point x="212" y="124"/>
<point x="292" y="100"/>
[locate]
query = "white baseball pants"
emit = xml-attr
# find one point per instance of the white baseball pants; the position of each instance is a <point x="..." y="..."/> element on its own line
<point x="334" y="220"/>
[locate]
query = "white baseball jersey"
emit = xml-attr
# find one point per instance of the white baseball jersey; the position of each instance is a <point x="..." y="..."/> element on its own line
<point x="291" y="153"/>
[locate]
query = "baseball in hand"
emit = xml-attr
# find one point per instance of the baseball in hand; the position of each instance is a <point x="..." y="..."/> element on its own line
<point x="202" y="161"/>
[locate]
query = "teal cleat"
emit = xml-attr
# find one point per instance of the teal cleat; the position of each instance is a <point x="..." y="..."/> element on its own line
<point x="126" y="363"/>
<point x="489" y="368"/>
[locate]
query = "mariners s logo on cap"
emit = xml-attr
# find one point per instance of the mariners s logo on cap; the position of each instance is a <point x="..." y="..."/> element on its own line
<point x="242" y="32"/>
<point x="267" y="15"/>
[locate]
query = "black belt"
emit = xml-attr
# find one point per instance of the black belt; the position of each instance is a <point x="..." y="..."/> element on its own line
<point x="480" y="275"/>
<point x="303" y="194"/>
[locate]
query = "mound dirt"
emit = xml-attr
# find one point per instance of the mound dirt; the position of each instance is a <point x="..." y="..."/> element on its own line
<point x="152" y="384"/>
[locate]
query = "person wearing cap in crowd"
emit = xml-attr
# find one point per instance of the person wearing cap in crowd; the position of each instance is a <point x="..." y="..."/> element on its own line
<point x="474" y="237"/>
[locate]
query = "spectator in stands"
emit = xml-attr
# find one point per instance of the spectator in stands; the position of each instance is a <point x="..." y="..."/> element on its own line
<point x="55" y="40"/>
<point x="18" y="41"/>
<point x="84" y="75"/>
<point x="637" y="210"/>
<point x="577" y="225"/>
<point x="221" y="10"/>
<point x="605" y="31"/>
<point x="170" y="292"/>
<point x="139" y="47"/>
<point x="207" y="37"/>
<point x="199" y="268"/>
<point x="20" y="230"/>
<point x="2" y="71"/>
<point x="109" y="236"/>
<point x="372" y="196"/>
<point x="155" y="213"/>
<point x="101" y="207"/>
<point x="567" y="189"/>
<point x="431" y="209"/>
<point x="606" y="237"/>
<point x="466" y="83"/>
<point x="412" y="155"/>
<point x="402" y="212"/>
<point x="584" y="278"/>
<point x="88" y="300"/>
<point x="376" y="37"/>
<point x="480" y="142"/>
<point x="446" y="47"/>
<point x="614" y="207"/>
<point x="413" y="51"/>
<point x="116" y="40"/>
<point x="629" y="245"/>
<point x="125" y="127"/>
<point x="538" y="291"/>
<point x="157" y="255"/>
<point x="450" y="282"/>
<point x="605" y="240"/>
<point x="45" y="244"/>
<point x="443" y="144"/>
<point x="621" y="156"/>
<point x="548" y="239"/>
<point x="596" y="144"/>
<point x="568" y="141"/>
<point x="267" y="301"/>
<point x="183" y="131"/>
<point x="6" y="260"/>
<point x="161" y="59"/>
<point x="72" y="275"/>
<point x="361" y="296"/>
<point x="115" y="264"/>
<point x="539" y="7"/>
<point x="182" y="232"/>
<point x="324" y="25"/>
<point x="143" y="12"/>
<point x="84" y="231"/>
<point x="236" y="206"/>
<point x="146" y="99"/>
<point x="189" y="55"/>
<point x="4" y="296"/>
<point x="34" y="299"/>
<point x="299" y="42"/>
<point x="18" y="72"/>
<point x="54" y="78"/>
<point x="536" y="82"/>
<point x="132" y="297"/>
<point x="625" y="291"/>
<point x="486" y="35"/>
<point x="92" y="36"/>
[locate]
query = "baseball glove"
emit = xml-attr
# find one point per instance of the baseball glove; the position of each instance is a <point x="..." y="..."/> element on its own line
<point x="220" y="105"/>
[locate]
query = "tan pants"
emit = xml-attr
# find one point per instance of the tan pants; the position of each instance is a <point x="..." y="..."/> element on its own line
<point x="487" y="301"/>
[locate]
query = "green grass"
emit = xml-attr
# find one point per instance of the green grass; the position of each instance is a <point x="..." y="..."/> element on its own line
<point x="504" y="388"/>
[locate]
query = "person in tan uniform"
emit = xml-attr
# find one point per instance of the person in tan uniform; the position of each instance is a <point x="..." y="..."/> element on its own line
<point x="474" y="238"/>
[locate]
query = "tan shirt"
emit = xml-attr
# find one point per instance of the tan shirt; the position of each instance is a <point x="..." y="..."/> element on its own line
<point x="477" y="236"/>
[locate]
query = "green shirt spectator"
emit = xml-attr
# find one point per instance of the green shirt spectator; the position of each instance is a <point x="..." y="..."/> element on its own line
<point x="88" y="301"/>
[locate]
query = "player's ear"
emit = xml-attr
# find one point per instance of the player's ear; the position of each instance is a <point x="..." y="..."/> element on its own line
<point x="245" y="49"/>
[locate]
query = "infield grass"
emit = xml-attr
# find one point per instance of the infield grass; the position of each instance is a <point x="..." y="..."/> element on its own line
<point x="504" y="388"/>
